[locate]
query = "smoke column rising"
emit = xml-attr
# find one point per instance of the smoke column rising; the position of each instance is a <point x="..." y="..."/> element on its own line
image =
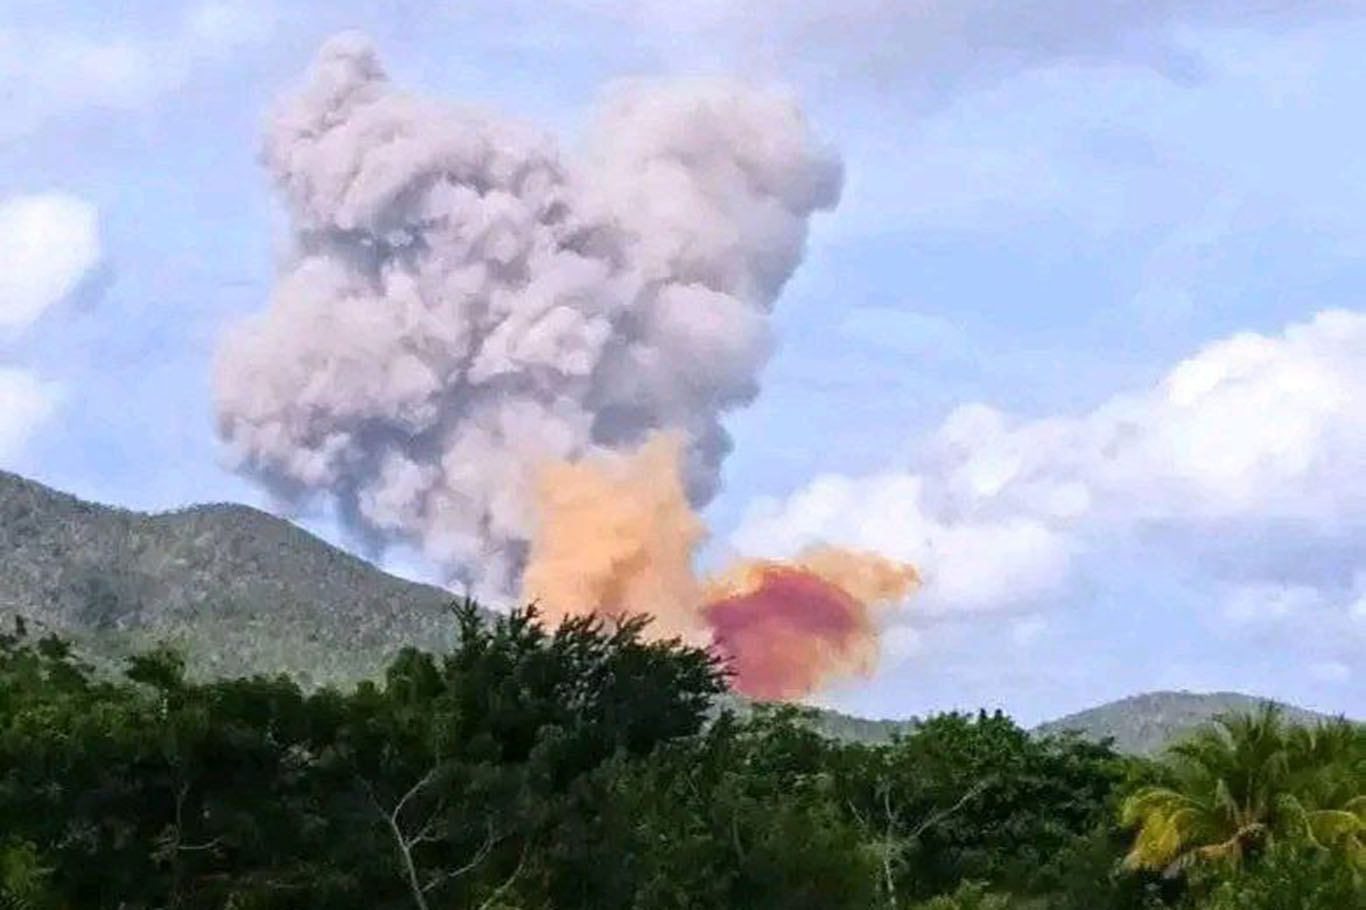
<point x="460" y="303"/>
<point x="615" y="535"/>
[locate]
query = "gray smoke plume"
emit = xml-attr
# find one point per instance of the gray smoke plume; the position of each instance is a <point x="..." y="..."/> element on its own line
<point x="460" y="304"/>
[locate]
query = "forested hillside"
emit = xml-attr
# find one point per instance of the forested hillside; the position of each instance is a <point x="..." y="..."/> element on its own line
<point x="239" y="591"/>
<point x="1148" y="723"/>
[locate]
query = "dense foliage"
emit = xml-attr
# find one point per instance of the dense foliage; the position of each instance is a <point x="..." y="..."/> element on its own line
<point x="582" y="768"/>
<point x="1248" y="783"/>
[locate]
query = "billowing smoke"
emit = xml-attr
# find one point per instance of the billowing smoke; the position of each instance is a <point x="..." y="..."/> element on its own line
<point x="460" y="304"/>
<point x="787" y="628"/>
<point x="615" y="535"/>
<point x="790" y="632"/>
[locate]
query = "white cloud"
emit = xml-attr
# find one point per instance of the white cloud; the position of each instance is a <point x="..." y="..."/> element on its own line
<point x="1357" y="610"/>
<point x="47" y="72"/>
<point x="970" y="565"/>
<point x="1251" y="435"/>
<point x="1312" y="627"/>
<point x="1347" y="612"/>
<point x="50" y="70"/>
<point x="218" y="27"/>
<point x="49" y="242"/>
<point x="25" y="402"/>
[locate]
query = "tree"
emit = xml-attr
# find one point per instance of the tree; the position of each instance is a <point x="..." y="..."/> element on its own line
<point x="23" y="878"/>
<point x="965" y="797"/>
<point x="743" y="816"/>
<point x="969" y="896"/>
<point x="1328" y="787"/>
<point x="892" y="837"/>
<point x="443" y="785"/>
<point x="1225" y="799"/>
<point x="1289" y="877"/>
<point x="1245" y="783"/>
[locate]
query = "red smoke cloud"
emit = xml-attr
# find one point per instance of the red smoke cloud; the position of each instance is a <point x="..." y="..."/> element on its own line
<point x="616" y="535"/>
<point x="783" y="638"/>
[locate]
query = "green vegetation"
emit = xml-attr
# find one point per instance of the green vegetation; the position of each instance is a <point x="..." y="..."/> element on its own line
<point x="237" y="591"/>
<point x="586" y="767"/>
<point x="1248" y="783"/>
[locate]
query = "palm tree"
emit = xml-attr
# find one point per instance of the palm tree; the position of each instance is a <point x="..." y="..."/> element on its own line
<point x="23" y="879"/>
<point x="1328" y="797"/>
<point x="1243" y="783"/>
<point x="1223" y="802"/>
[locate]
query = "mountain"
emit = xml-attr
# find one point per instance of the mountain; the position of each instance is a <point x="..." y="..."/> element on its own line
<point x="236" y="589"/>
<point x="1139" y="725"/>
<point x="1146" y="724"/>
<point x="240" y="591"/>
<point x="838" y="725"/>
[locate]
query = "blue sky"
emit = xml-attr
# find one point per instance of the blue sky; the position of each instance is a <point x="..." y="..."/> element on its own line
<point x="1070" y="217"/>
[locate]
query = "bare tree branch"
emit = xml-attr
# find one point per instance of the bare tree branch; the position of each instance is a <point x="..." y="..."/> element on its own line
<point x="890" y="847"/>
<point x="507" y="882"/>
<point x="190" y="848"/>
<point x="414" y="790"/>
<point x="952" y="810"/>
<point x="405" y="843"/>
<point x="480" y="855"/>
<point x="401" y="843"/>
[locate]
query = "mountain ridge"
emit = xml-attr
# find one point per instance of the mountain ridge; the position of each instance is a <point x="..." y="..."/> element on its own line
<point x="1143" y="724"/>
<point x="238" y="589"/>
<point x="242" y="591"/>
<point x="1147" y="722"/>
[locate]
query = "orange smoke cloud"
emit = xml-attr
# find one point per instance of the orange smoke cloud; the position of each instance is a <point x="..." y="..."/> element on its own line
<point x="616" y="535"/>
<point x="786" y="628"/>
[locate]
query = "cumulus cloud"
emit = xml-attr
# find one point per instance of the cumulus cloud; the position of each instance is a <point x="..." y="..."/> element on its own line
<point x="25" y="402"/>
<point x="1254" y="440"/>
<point x="216" y="28"/>
<point x="974" y="564"/>
<point x="463" y="303"/>
<point x="50" y="242"/>
<point x="1313" y="627"/>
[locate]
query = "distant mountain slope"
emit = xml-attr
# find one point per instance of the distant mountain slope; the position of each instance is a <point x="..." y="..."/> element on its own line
<point x="237" y="589"/>
<point x="1147" y="724"/>
<point x="838" y="725"/>
<point x="833" y="724"/>
<point x="1139" y="725"/>
<point x="241" y="591"/>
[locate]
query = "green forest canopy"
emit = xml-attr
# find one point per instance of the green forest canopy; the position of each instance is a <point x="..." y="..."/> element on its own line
<point x="581" y="768"/>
